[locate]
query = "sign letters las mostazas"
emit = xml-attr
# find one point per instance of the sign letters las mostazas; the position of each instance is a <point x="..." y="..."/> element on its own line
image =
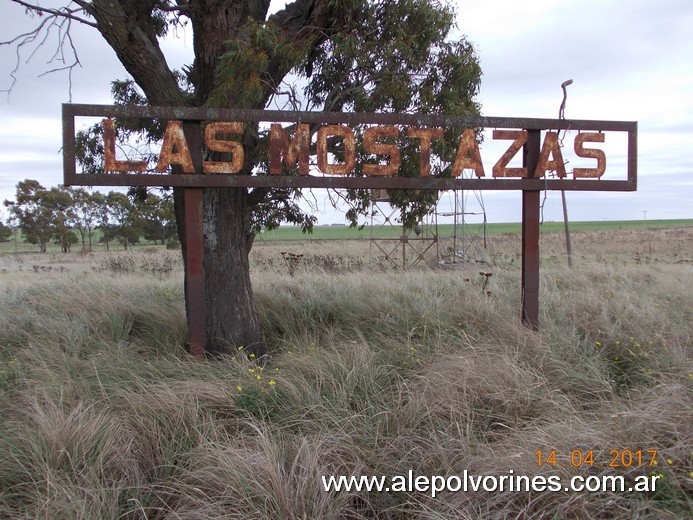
<point x="359" y="150"/>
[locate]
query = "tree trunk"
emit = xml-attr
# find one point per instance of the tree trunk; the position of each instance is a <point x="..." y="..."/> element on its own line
<point x="231" y="318"/>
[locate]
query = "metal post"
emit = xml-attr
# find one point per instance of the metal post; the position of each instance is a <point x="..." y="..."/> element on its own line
<point x="566" y="225"/>
<point x="404" y="249"/>
<point x="194" y="250"/>
<point x="194" y="272"/>
<point x="531" y="205"/>
<point x="455" y="227"/>
<point x="568" y="245"/>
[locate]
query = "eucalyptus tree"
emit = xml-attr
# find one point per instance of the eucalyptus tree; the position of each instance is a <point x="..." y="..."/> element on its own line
<point x="59" y="200"/>
<point x="331" y="55"/>
<point x="85" y="211"/>
<point x="43" y="214"/>
<point x="125" y="221"/>
<point x="34" y="212"/>
<point x="5" y="232"/>
<point x="158" y="217"/>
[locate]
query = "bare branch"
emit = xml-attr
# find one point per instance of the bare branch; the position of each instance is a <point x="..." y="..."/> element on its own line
<point x="62" y="12"/>
<point x="292" y="98"/>
<point x="134" y="41"/>
<point x="58" y="20"/>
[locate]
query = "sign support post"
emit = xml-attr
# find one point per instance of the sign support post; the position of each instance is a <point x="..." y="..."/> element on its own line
<point x="194" y="271"/>
<point x="530" y="235"/>
<point x="195" y="298"/>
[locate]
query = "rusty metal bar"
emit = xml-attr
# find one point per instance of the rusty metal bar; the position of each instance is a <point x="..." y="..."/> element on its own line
<point x="353" y="118"/>
<point x="312" y="181"/>
<point x="633" y="158"/>
<point x="69" y="167"/>
<point x="194" y="272"/>
<point x="195" y="297"/>
<point x="530" y="236"/>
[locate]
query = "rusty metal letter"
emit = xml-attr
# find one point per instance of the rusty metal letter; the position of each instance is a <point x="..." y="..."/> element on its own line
<point x="553" y="148"/>
<point x="110" y="164"/>
<point x="221" y="145"/>
<point x="468" y="155"/>
<point x="519" y="139"/>
<point x="297" y="150"/>
<point x="174" y="138"/>
<point x="345" y="133"/>
<point x="426" y="135"/>
<point x="593" y="153"/>
<point x="372" y="146"/>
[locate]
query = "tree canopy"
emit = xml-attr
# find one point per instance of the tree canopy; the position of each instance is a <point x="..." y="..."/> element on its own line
<point x="331" y="55"/>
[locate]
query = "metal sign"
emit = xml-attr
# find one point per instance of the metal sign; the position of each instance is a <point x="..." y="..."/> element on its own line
<point x="368" y="156"/>
<point x="295" y="150"/>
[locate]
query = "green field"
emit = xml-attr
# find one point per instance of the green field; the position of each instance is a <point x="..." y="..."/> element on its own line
<point x="346" y="233"/>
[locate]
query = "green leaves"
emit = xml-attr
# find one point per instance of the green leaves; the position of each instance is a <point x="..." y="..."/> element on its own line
<point x="43" y="214"/>
<point x="396" y="59"/>
<point x="246" y="70"/>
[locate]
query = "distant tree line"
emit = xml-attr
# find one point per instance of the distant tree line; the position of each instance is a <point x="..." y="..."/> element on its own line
<point x="68" y="216"/>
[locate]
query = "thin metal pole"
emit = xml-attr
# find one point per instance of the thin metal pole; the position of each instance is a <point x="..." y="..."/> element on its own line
<point x="404" y="249"/>
<point x="454" y="236"/>
<point x="568" y="244"/>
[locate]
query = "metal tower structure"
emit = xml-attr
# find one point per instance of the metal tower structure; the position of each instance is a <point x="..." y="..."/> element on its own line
<point x="395" y="244"/>
<point x="468" y="241"/>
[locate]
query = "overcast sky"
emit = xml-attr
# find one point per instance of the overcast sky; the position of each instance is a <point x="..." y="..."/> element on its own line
<point x="630" y="61"/>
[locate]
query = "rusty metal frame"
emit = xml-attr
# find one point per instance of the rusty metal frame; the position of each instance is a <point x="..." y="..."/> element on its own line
<point x="71" y="177"/>
<point x="193" y="194"/>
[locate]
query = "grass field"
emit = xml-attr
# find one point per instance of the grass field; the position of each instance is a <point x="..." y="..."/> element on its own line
<point x="347" y="233"/>
<point x="373" y="371"/>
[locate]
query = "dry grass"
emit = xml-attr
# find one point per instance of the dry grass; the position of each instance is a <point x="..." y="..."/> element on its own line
<point x="373" y="372"/>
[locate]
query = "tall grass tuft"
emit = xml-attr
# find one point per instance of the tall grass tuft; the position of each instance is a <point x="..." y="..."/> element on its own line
<point x="104" y="415"/>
